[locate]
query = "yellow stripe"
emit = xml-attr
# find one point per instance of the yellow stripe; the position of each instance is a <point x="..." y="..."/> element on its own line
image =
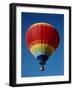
<point x="42" y="48"/>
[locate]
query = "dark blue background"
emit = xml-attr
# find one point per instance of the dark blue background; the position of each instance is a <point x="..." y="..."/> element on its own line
<point x="55" y="64"/>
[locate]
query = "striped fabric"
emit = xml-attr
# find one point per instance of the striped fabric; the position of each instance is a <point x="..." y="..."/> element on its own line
<point x="41" y="49"/>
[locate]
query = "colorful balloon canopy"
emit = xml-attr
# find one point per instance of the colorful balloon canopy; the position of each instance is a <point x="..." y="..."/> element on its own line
<point x="42" y="39"/>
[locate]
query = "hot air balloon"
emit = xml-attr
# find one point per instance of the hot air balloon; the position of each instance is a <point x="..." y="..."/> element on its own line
<point x="42" y="39"/>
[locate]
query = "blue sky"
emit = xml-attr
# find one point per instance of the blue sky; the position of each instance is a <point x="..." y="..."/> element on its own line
<point x="55" y="64"/>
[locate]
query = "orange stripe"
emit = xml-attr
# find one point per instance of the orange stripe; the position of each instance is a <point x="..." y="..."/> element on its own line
<point x="37" y="42"/>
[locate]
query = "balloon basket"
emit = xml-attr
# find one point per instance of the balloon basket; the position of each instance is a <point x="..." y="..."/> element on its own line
<point x="42" y="68"/>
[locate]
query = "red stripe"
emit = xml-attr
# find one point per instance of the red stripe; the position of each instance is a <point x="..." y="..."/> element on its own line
<point x="43" y="32"/>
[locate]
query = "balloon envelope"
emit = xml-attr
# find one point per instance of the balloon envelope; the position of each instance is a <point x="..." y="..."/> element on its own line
<point x="42" y="39"/>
